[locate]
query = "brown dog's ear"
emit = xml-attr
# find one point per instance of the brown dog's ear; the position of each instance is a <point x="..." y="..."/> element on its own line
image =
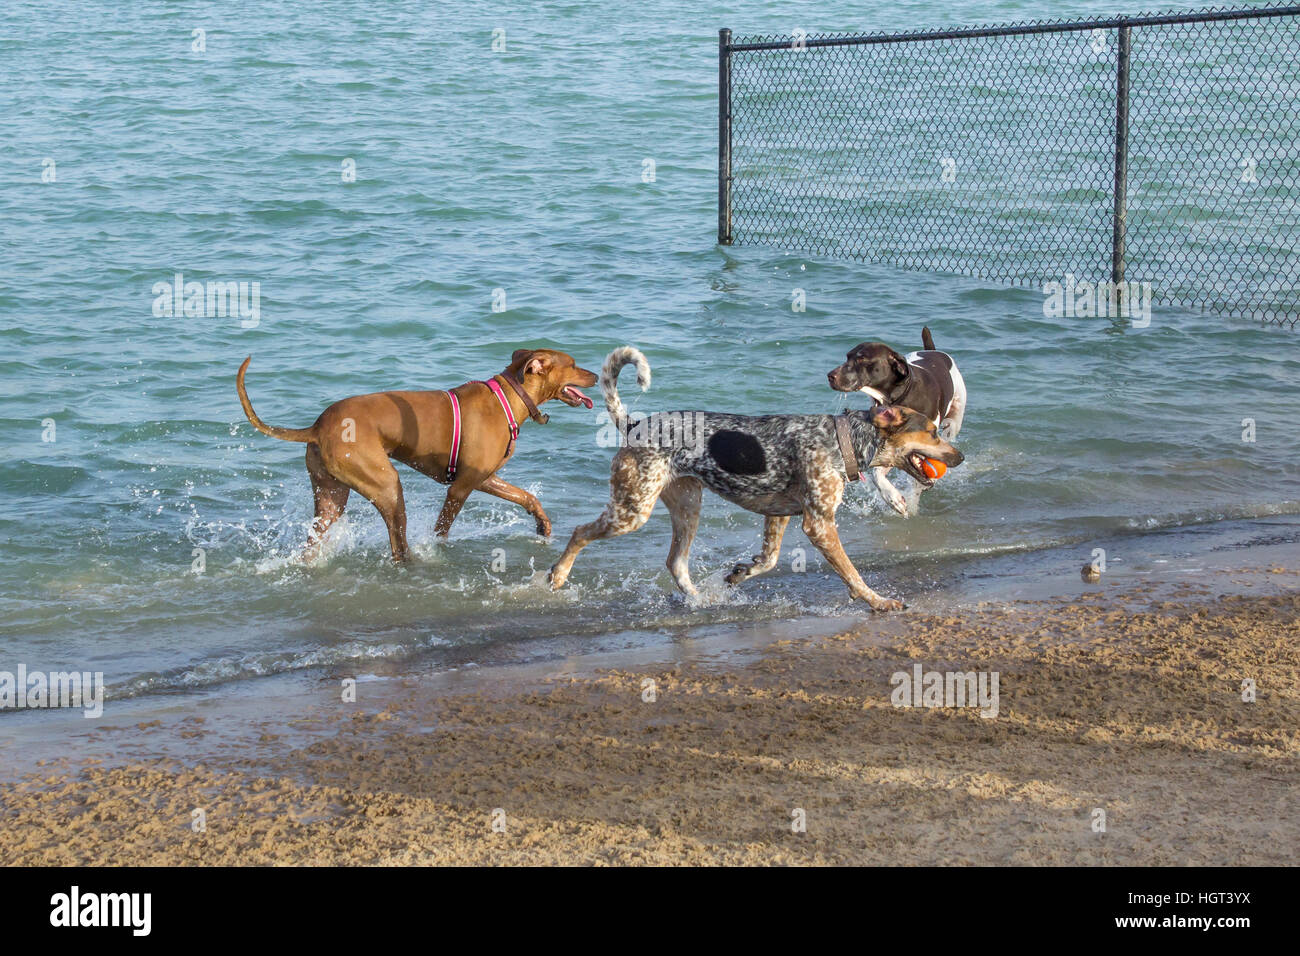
<point x="887" y="417"/>
<point x="537" y="365"/>
<point x="520" y="355"/>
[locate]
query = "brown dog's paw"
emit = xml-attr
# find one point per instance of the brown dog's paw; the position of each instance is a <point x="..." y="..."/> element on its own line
<point x="544" y="526"/>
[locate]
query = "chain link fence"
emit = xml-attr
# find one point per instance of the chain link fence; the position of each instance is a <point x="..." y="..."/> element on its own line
<point x="1156" y="149"/>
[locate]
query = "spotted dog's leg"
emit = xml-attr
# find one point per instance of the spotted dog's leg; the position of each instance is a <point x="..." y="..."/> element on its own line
<point x="820" y="529"/>
<point x="894" y="497"/>
<point x="773" y="532"/>
<point x="825" y="491"/>
<point x="682" y="499"/>
<point x="636" y="477"/>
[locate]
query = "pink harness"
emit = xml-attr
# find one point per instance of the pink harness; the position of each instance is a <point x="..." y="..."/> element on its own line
<point x="455" y="425"/>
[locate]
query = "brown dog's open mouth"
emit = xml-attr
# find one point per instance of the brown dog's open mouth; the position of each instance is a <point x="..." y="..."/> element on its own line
<point x="573" y="397"/>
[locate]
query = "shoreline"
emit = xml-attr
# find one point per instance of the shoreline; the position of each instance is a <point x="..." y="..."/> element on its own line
<point x="780" y="601"/>
<point x="1124" y="698"/>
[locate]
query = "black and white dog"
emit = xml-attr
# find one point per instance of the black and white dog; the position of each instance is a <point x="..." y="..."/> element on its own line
<point x="927" y="381"/>
<point x="776" y="465"/>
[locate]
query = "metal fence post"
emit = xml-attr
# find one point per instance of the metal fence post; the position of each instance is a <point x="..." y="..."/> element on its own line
<point x="1121" y="157"/>
<point x="724" y="137"/>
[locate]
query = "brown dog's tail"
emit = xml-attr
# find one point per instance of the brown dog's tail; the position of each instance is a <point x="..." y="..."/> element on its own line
<point x="614" y="362"/>
<point x="927" y="339"/>
<point x="288" y="434"/>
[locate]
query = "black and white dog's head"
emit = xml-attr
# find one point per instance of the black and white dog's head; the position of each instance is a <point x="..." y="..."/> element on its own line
<point x="874" y="368"/>
<point x="904" y="438"/>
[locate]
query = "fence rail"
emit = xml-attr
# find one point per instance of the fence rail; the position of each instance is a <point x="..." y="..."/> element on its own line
<point x="1157" y="149"/>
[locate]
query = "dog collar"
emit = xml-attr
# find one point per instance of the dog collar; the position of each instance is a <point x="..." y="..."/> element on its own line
<point x="534" y="412"/>
<point x="845" y="436"/>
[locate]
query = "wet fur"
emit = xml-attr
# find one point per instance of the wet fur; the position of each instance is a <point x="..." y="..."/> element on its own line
<point x="802" y="473"/>
<point x="354" y="442"/>
<point x="927" y="381"/>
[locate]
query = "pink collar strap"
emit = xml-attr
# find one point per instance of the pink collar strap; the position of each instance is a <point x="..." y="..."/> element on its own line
<point x="455" y="426"/>
<point x="455" y="438"/>
<point x="510" y="416"/>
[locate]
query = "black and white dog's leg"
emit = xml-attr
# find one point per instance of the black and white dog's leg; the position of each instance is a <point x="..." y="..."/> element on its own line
<point x="951" y="424"/>
<point x="894" y="497"/>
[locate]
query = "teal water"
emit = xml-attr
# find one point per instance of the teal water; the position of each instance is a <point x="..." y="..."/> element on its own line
<point x="478" y="171"/>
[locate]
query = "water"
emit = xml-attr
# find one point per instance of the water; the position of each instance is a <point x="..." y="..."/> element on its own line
<point x="994" y="157"/>
<point x="478" y="171"/>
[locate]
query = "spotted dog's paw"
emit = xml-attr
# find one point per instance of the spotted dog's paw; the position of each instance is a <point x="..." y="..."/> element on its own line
<point x="886" y="604"/>
<point x="739" y="573"/>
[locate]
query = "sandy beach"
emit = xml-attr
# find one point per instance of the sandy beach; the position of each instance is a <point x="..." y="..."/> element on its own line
<point x="1126" y="699"/>
<point x="277" y="564"/>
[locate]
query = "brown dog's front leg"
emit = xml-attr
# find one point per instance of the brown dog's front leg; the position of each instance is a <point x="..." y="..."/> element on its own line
<point x="456" y="496"/>
<point x="503" y="489"/>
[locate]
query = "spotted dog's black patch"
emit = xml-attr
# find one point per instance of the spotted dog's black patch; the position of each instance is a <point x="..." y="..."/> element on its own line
<point x="738" y="453"/>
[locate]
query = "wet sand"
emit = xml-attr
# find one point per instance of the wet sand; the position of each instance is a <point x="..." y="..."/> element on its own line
<point x="1125" y="699"/>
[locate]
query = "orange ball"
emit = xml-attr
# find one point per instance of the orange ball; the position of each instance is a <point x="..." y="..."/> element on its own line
<point x="934" y="468"/>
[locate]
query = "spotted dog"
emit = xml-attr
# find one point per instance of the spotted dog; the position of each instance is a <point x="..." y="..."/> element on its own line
<point x="775" y="465"/>
<point x="927" y="381"/>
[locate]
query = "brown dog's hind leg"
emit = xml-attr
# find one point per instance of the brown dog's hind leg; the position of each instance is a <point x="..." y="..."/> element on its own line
<point x="636" y="476"/>
<point x="503" y="489"/>
<point x="331" y="497"/>
<point x="682" y="499"/>
<point x="773" y="531"/>
<point x="383" y="488"/>
<point x="821" y="531"/>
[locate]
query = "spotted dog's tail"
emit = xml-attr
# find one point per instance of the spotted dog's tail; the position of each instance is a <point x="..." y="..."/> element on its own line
<point x="614" y="362"/>
<point x="927" y="340"/>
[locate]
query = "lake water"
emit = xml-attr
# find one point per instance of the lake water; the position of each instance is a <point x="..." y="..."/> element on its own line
<point x="478" y="171"/>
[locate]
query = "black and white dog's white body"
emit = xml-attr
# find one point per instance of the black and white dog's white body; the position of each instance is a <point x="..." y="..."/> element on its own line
<point x="927" y="381"/>
<point x="776" y="465"/>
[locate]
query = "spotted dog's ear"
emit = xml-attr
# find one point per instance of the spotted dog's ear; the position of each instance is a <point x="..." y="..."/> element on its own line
<point x="887" y="417"/>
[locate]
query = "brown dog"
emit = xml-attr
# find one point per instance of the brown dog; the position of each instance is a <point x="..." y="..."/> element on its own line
<point x="351" y="444"/>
